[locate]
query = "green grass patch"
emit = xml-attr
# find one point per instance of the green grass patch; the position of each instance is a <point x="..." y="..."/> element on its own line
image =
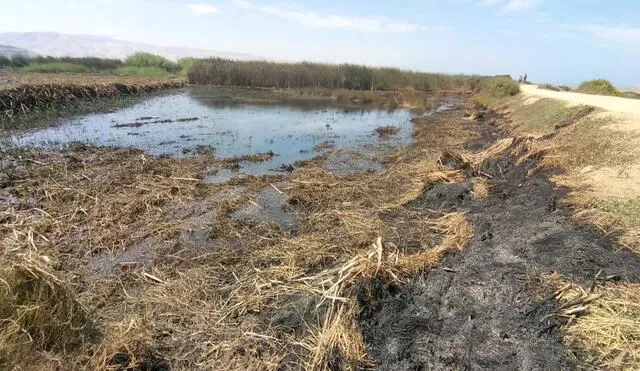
<point x="598" y="87"/>
<point x="626" y="211"/>
<point x="56" y="68"/>
<point x="589" y="144"/>
<point x="546" y="115"/>
<point x="156" y="72"/>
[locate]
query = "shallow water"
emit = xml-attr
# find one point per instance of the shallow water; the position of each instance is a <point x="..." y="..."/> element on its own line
<point x="187" y="123"/>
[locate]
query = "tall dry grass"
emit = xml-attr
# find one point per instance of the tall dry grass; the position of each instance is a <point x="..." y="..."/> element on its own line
<point x="315" y="75"/>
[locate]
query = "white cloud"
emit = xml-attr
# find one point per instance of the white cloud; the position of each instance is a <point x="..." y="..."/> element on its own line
<point x="521" y="5"/>
<point x="330" y="21"/>
<point x="202" y="9"/>
<point x="242" y="4"/>
<point x="621" y="35"/>
<point x="402" y="27"/>
<point x="616" y="34"/>
<point x="514" y="6"/>
<point x="364" y="24"/>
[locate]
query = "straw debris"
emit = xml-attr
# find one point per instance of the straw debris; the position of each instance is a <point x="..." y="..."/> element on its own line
<point x="167" y="277"/>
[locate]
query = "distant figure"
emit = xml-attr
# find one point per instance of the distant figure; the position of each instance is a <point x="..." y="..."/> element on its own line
<point x="524" y="79"/>
<point x="520" y="80"/>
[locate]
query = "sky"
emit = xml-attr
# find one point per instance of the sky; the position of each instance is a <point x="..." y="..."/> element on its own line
<point x="555" y="41"/>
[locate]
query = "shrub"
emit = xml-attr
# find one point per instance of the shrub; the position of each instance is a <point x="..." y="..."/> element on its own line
<point x="56" y="68"/>
<point x="153" y="61"/>
<point x="142" y="71"/>
<point x="19" y="61"/>
<point x="5" y="62"/>
<point x="598" y="87"/>
<point x="500" y="87"/>
<point x="186" y="64"/>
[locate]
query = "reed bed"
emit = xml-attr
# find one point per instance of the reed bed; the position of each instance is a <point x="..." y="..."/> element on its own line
<point x="24" y="99"/>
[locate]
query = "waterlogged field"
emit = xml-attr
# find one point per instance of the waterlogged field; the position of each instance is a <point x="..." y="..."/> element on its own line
<point x="193" y="122"/>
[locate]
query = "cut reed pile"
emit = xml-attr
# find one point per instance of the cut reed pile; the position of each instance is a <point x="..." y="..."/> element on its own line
<point x="26" y="98"/>
<point x="246" y="295"/>
<point x="602" y="321"/>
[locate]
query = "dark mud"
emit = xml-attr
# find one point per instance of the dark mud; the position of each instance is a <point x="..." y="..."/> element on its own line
<point x="485" y="307"/>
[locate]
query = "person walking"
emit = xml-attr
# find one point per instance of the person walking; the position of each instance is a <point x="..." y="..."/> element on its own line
<point x="524" y="79"/>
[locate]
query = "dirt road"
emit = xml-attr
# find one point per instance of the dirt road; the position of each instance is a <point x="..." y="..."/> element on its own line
<point x="612" y="104"/>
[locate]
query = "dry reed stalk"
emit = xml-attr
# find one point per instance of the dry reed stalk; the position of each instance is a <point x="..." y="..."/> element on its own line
<point x="260" y="296"/>
<point x="25" y="98"/>
<point x="603" y="323"/>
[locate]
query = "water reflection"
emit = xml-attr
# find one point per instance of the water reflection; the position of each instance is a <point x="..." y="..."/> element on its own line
<point x="192" y="122"/>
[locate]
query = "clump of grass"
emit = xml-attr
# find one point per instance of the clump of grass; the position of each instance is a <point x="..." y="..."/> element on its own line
<point x="598" y="87"/>
<point x="355" y="97"/>
<point x="387" y="131"/>
<point x="155" y="72"/>
<point x="56" y="68"/>
<point x="481" y="188"/>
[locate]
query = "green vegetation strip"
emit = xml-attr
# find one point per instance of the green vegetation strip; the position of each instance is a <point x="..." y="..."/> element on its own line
<point x="138" y="64"/>
<point x="627" y="211"/>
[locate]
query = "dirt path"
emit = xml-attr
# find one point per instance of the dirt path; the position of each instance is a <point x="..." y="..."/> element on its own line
<point x="483" y="308"/>
<point x="612" y="104"/>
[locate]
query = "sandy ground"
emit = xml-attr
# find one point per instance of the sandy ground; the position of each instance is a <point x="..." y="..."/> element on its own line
<point x="604" y="182"/>
<point x="612" y="104"/>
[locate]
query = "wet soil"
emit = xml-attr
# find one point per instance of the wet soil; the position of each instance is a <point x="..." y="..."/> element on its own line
<point x="485" y="307"/>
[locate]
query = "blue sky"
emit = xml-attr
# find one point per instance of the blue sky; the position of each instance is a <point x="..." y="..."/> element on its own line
<point x="558" y="41"/>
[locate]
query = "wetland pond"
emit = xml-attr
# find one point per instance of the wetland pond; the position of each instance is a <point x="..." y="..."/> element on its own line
<point x="194" y="122"/>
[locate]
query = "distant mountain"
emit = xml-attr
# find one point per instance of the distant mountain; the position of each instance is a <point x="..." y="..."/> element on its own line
<point x="10" y="51"/>
<point x="59" y="45"/>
